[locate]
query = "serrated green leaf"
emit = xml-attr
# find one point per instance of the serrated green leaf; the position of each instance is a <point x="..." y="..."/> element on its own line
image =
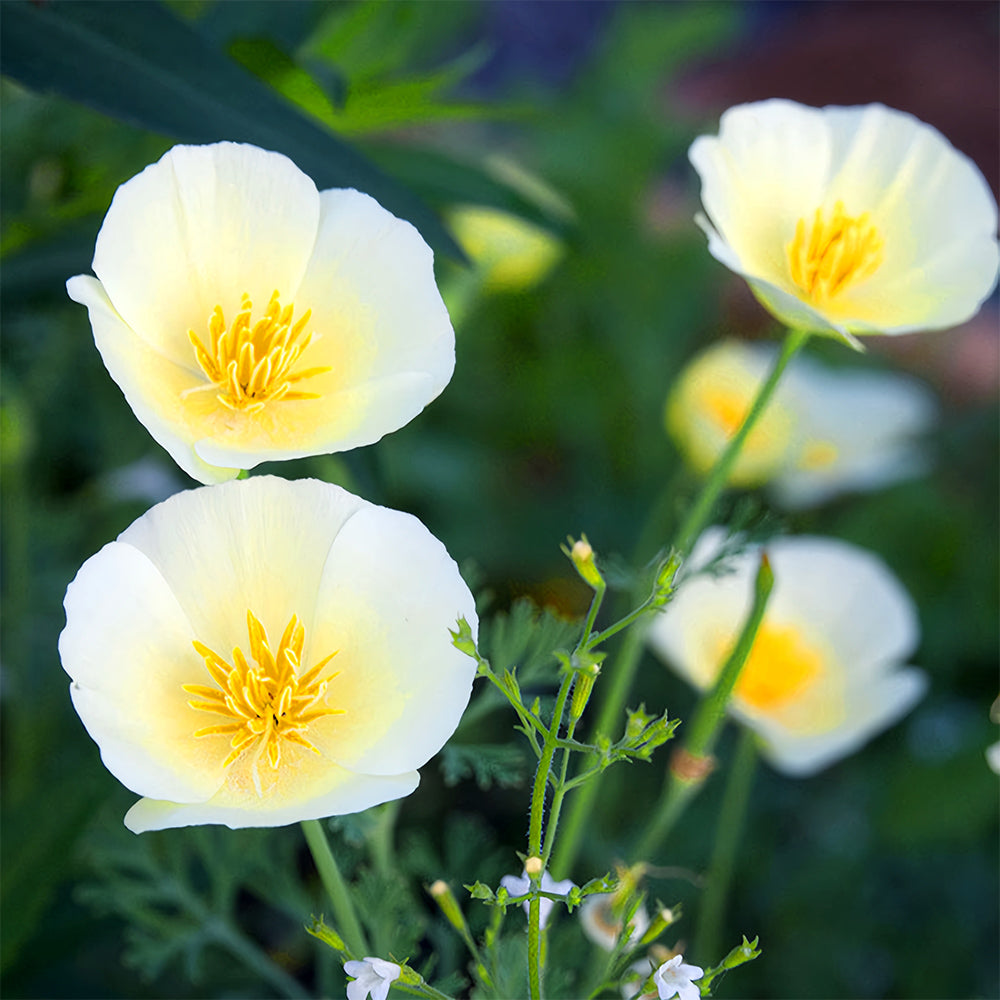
<point x="141" y="64"/>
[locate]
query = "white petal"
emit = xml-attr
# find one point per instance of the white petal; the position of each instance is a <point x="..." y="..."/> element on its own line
<point x="389" y="595"/>
<point x="871" y="708"/>
<point x="201" y="227"/>
<point x="345" y="792"/>
<point x="153" y="385"/>
<point x="255" y="545"/>
<point x="127" y="646"/>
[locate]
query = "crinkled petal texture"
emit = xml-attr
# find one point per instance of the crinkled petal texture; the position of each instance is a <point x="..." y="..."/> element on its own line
<point x="205" y="227"/>
<point x="824" y="675"/>
<point x="375" y="595"/>
<point x="932" y="258"/>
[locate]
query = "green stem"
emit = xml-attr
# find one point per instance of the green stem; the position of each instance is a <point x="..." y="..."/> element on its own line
<point x="627" y="661"/>
<point x="534" y="949"/>
<point x="708" y="719"/>
<point x="699" y="515"/>
<point x="729" y="831"/>
<point x="336" y="888"/>
<point x="380" y="842"/>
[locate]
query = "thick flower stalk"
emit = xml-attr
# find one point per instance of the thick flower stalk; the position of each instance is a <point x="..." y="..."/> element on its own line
<point x="248" y="317"/>
<point x="264" y="652"/>
<point x="823" y="675"/>
<point x="848" y="221"/>
<point x="826" y="432"/>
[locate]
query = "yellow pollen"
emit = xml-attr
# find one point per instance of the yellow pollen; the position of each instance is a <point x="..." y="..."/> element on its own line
<point x="818" y="455"/>
<point x="832" y="254"/>
<point x="728" y="409"/>
<point x="254" y="363"/>
<point x="780" y="667"/>
<point x="265" y="705"/>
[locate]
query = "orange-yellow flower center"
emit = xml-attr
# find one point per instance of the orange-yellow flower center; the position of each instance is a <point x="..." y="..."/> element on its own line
<point x="255" y="363"/>
<point x="781" y="665"/>
<point x="833" y="253"/>
<point x="265" y="705"/>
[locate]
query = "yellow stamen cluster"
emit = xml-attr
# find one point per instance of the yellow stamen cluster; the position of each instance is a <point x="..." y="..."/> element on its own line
<point x="267" y="704"/>
<point x="831" y="254"/>
<point x="253" y="363"/>
<point x="780" y="667"/>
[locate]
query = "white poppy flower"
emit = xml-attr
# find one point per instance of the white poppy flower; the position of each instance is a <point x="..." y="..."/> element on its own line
<point x="603" y="926"/>
<point x="823" y="676"/>
<point x="373" y="977"/>
<point x="825" y="432"/>
<point x="264" y="652"/>
<point x="675" y="979"/>
<point x="845" y="221"/>
<point x="248" y="317"/>
<point x="519" y="885"/>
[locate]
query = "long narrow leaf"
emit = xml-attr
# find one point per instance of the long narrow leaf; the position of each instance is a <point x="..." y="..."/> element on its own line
<point x="139" y="63"/>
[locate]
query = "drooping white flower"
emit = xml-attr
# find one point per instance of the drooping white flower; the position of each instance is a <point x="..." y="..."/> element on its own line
<point x="518" y="885"/>
<point x="824" y="674"/>
<point x="676" y="979"/>
<point x="603" y="926"/>
<point x="826" y="431"/>
<point x="848" y="220"/>
<point x="266" y="651"/>
<point x="248" y="317"/>
<point x="373" y="977"/>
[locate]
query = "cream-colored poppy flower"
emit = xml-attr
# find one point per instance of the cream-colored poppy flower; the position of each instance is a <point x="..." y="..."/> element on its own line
<point x="248" y="317"/>
<point x="266" y="651"/>
<point x="824" y="674"/>
<point x="848" y="221"/>
<point x="825" y="432"/>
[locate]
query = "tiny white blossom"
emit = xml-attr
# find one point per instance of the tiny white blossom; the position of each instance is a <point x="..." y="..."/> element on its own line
<point x="519" y="885"/>
<point x="675" y="979"/>
<point x="373" y="977"/>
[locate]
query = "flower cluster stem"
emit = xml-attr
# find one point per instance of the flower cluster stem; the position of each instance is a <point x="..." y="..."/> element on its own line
<point x="626" y="663"/>
<point x="336" y="887"/>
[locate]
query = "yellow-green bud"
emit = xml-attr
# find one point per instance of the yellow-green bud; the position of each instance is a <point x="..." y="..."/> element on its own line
<point x="533" y="867"/>
<point x="582" y="556"/>
<point x="444" y="898"/>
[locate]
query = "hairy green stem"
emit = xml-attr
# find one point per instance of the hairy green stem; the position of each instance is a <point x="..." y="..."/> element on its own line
<point x="336" y="888"/>
<point x="627" y="662"/>
<point x="728" y="834"/>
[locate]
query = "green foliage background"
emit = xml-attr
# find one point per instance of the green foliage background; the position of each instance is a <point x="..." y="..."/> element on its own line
<point x="876" y="878"/>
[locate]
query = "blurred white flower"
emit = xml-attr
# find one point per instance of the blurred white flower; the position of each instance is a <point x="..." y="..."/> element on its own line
<point x="993" y="757"/>
<point x="675" y="979"/>
<point x="248" y="317"/>
<point x="824" y="674"/>
<point x="373" y="977"/>
<point x="266" y="651"/>
<point x="519" y="885"/>
<point x="603" y="926"/>
<point x="634" y="978"/>
<point x="844" y="221"/>
<point x="826" y="431"/>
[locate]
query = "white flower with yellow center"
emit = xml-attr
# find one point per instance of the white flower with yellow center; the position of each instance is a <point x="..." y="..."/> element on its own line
<point x="248" y="317"/>
<point x="264" y="652"/>
<point x="825" y="432"/>
<point x="846" y="221"/>
<point x="823" y="675"/>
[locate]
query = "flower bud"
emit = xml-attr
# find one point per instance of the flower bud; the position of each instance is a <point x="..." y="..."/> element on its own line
<point x="445" y="898"/>
<point x="533" y="867"/>
<point x="582" y="556"/>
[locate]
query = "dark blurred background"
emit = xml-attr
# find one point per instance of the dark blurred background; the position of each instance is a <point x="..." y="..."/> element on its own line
<point x="877" y="878"/>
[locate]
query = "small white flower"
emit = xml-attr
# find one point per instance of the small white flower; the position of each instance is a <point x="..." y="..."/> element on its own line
<point x="635" y="976"/>
<point x="519" y="885"/>
<point x="847" y="221"/>
<point x="373" y="977"/>
<point x="603" y="926"/>
<point x="675" y="979"/>
<point x="823" y="676"/>
<point x="993" y="757"/>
